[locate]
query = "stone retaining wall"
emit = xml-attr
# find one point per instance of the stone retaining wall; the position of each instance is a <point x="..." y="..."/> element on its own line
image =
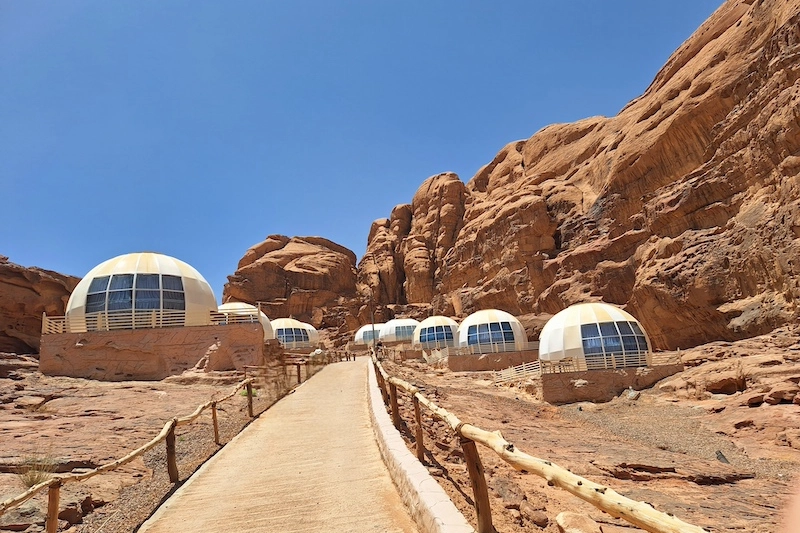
<point x="150" y="354"/>
<point x="597" y="385"/>
<point x="490" y="361"/>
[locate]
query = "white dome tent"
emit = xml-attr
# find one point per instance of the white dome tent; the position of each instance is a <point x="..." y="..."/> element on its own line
<point x="398" y="330"/>
<point x="364" y="335"/>
<point x="293" y="334"/>
<point x="492" y="330"/>
<point x="241" y="308"/>
<point x="436" y="332"/>
<point x="140" y="291"/>
<point x="595" y="335"/>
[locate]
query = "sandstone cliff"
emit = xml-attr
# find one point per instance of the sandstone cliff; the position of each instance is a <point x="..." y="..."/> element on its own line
<point x="26" y="293"/>
<point x="683" y="207"/>
<point x="298" y="276"/>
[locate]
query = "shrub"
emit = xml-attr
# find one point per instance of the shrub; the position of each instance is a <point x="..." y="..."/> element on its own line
<point x="36" y="469"/>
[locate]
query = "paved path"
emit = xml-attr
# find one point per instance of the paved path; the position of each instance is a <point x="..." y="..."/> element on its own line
<point x="309" y="463"/>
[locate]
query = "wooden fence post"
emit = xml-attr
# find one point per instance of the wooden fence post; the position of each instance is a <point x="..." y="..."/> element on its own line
<point x="418" y="418"/>
<point x="172" y="463"/>
<point x="53" y="497"/>
<point x="249" y="388"/>
<point x="382" y="385"/>
<point x="299" y="379"/>
<point x="395" y="408"/>
<point x="214" y="421"/>
<point x="478" y="481"/>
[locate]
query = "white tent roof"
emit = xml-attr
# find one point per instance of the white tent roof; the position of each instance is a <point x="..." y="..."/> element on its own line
<point x="389" y="328"/>
<point x="237" y="308"/>
<point x="198" y="297"/>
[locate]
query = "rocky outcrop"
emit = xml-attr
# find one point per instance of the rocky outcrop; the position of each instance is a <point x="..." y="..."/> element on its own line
<point x="683" y="207"/>
<point x="26" y="293"/>
<point x="298" y="276"/>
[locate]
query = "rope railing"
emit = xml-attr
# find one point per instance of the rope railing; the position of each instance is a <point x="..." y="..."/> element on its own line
<point x="167" y="435"/>
<point x="640" y="514"/>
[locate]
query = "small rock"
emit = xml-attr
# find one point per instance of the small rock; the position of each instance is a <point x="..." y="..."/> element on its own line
<point x="534" y="515"/>
<point x="752" y="399"/>
<point x="576" y="523"/>
<point x="71" y="514"/>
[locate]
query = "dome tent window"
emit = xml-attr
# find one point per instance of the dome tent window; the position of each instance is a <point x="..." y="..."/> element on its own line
<point x="291" y="335"/>
<point x="491" y="333"/>
<point x="369" y="335"/>
<point x="398" y="330"/>
<point x="614" y="339"/>
<point x="135" y="291"/>
<point x="404" y="332"/>
<point x="434" y="334"/>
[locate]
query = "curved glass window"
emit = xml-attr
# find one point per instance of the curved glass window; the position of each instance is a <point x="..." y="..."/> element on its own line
<point x="128" y="292"/>
<point x="436" y="335"/>
<point x="614" y="345"/>
<point x="404" y="332"/>
<point x="491" y="333"/>
<point x="291" y="335"/>
<point x="370" y="335"/>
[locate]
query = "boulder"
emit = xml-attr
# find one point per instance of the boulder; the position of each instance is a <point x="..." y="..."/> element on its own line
<point x="25" y="294"/>
<point x="576" y="523"/>
<point x="295" y="276"/>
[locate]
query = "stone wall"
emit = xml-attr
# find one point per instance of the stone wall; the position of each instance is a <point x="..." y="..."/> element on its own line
<point x="597" y="385"/>
<point x="490" y="361"/>
<point x="150" y="354"/>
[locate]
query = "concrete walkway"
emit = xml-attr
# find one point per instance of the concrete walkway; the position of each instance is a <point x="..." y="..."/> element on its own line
<point x="309" y="463"/>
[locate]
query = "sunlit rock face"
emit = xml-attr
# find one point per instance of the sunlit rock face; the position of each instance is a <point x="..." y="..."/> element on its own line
<point x="683" y="207"/>
<point x="26" y="293"/>
<point x="299" y="277"/>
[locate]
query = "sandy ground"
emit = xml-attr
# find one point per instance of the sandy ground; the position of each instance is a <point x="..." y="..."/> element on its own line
<point x="659" y="448"/>
<point x="651" y="449"/>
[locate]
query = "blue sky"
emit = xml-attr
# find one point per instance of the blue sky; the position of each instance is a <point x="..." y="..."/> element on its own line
<point x="197" y="128"/>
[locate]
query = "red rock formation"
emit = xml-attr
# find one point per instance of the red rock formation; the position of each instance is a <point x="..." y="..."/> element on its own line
<point x="26" y="293"/>
<point x="683" y="207"/>
<point x="299" y="276"/>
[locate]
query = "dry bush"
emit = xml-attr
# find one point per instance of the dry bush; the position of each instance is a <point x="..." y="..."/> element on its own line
<point x="36" y="469"/>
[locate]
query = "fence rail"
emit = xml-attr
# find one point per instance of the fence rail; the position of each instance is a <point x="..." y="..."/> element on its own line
<point x="640" y="514"/>
<point x="142" y="319"/>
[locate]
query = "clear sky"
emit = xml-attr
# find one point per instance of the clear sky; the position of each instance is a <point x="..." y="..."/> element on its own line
<point x="197" y="128"/>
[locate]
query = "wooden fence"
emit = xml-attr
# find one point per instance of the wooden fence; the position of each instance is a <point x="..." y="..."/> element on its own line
<point x="167" y="435"/>
<point x="640" y="514"/>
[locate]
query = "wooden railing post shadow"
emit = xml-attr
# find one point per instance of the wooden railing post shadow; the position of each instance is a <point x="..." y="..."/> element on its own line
<point x="249" y="388"/>
<point x="418" y="418"/>
<point x="395" y="408"/>
<point x="53" y="497"/>
<point x="172" y="463"/>
<point x="477" y="479"/>
<point x="214" y="422"/>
